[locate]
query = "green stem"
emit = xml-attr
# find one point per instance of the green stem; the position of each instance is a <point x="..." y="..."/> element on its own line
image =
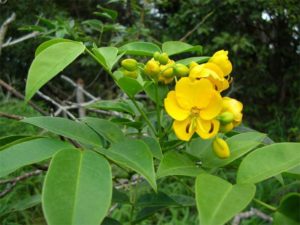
<point x="266" y="205"/>
<point x="157" y="110"/>
<point x="143" y="115"/>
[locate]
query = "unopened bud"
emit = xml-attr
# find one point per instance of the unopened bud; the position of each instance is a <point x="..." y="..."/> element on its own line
<point x="166" y="71"/>
<point x="152" y="68"/>
<point x="220" y="148"/>
<point x="163" y="58"/>
<point x="181" y="70"/>
<point x="156" y="56"/>
<point x="129" y="64"/>
<point x="226" y="117"/>
<point x="132" y="74"/>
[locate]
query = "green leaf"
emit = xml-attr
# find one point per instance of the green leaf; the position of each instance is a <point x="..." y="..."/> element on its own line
<point x="110" y="221"/>
<point x="268" y="161"/>
<point x="49" y="62"/>
<point x="177" y="47"/>
<point x="133" y="154"/>
<point x="68" y="128"/>
<point x="239" y="145"/>
<point x="139" y="48"/>
<point x="155" y="199"/>
<point x="129" y="85"/>
<point x="174" y="163"/>
<point x="187" y="61"/>
<point x="105" y="128"/>
<point x="290" y="205"/>
<point x="119" y="105"/>
<point x="29" y="152"/>
<point x="8" y="140"/>
<point x="47" y="44"/>
<point x="149" y="88"/>
<point x="154" y="146"/>
<point x="218" y="200"/>
<point x="108" y="56"/>
<point x="281" y="219"/>
<point x="77" y="188"/>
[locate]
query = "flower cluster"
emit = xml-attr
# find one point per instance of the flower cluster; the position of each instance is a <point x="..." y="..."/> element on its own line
<point x="196" y="104"/>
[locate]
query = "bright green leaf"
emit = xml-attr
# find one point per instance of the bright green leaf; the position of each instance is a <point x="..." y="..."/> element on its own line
<point x="49" y="62"/>
<point x="154" y="146"/>
<point x="177" y="47"/>
<point x="187" y="61"/>
<point x="139" y="48"/>
<point x="149" y="88"/>
<point x="29" y="152"/>
<point x="68" y="128"/>
<point x="135" y="155"/>
<point x="77" y="188"/>
<point x="174" y="163"/>
<point x="105" y="128"/>
<point x="218" y="200"/>
<point x="47" y="44"/>
<point x="109" y="56"/>
<point x="129" y="85"/>
<point x="268" y="161"/>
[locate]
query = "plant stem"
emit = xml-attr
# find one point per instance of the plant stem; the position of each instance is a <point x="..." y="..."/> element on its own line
<point x="143" y="115"/>
<point x="266" y="205"/>
<point x="157" y="110"/>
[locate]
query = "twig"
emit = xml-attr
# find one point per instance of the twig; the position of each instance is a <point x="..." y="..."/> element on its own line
<point x="70" y="81"/>
<point x="11" y="116"/>
<point x="4" y="27"/>
<point x="197" y="26"/>
<point x="253" y="212"/>
<point x="20" y="96"/>
<point x="13" y="182"/>
<point x="80" y="98"/>
<point x="47" y="98"/>
<point x="21" y="39"/>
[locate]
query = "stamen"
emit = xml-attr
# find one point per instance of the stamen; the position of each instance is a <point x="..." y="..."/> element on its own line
<point x="211" y="128"/>
<point x="187" y="129"/>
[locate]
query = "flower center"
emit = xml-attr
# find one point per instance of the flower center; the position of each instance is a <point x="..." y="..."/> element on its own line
<point x="195" y="111"/>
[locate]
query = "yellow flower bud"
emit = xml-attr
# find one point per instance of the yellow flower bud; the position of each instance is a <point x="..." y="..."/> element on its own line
<point x="129" y="64"/>
<point x="181" y="70"/>
<point x="226" y="117"/>
<point x="132" y="74"/>
<point x="152" y="68"/>
<point x="163" y="58"/>
<point x="193" y="64"/>
<point x="225" y="128"/>
<point x="166" y="71"/>
<point x="156" y="56"/>
<point x="220" y="148"/>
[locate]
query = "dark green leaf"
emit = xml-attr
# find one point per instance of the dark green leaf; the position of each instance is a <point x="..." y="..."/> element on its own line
<point x="177" y="47"/>
<point x="154" y="146"/>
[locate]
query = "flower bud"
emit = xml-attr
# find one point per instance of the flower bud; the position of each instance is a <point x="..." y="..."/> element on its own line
<point x="152" y="68"/>
<point x="163" y="58"/>
<point x="156" y="56"/>
<point x="181" y="70"/>
<point x="225" y="128"/>
<point x="220" y="148"/>
<point x="166" y="71"/>
<point x="226" y="117"/>
<point x="132" y="74"/>
<point x="129" y="64"/>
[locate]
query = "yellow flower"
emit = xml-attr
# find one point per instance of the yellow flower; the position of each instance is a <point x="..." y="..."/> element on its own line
<point x="194" y="106"/>
<point x="220" y="58"/>
<point x="235" y="107"/>
<point x="220" y="148"/>
<point x="211" y="72"/>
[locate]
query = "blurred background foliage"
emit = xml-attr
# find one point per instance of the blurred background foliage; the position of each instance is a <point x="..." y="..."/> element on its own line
<point x="262" y="37"/>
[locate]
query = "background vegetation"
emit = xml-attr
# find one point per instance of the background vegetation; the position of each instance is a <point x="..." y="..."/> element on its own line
<point x="262" y="37"/>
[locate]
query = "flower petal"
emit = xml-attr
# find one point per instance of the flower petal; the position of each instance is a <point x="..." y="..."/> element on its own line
<point x="207" y="129"/>
<point x="173" y="109"/>
<point x="183" y="129"/>
<point x="195" y="93"/>
<point x="213" y="108"/>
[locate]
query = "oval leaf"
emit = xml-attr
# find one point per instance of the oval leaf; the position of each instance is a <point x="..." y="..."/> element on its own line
<point x="135" y="155"/>
<point x="268" y="161"/>
<point x="174" y="163"/>
<point x="187" y="61"/>
<point x="49" y="63"/>
<point x="77" y="188"/>
<point x="105" y="128"/>
<point x="68" y="128"/>
<point x="177" y="47"/>
<point x="29" y="152"/>
<point x="218" y="201"/>
<point x="140" y="48"/>
<point x="47" y="44"/>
